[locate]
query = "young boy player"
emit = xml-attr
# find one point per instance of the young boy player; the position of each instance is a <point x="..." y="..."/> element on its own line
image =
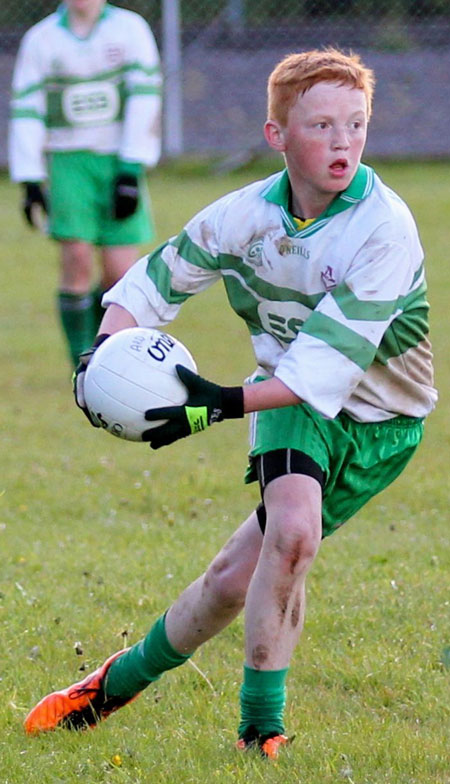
<point x="324" y="264"/>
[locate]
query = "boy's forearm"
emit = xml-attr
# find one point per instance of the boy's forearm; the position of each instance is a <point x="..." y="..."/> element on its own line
<point x="115" y="319"/>
<point x="268" y="394"/>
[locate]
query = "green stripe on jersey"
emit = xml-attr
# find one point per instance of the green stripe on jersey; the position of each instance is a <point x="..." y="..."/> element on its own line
<point x="65" y="81"/>
<point x="231" y="265"/>
<point x="405" y="332"/>
<point x="193" y="253"/>
<point x="107" y="75"/>
<point x="32" y="88"/>
<point x="244" y="303"/>
<point x="341" y="338"/>
<point x="408" y="329"/>
<point x="159" y="273"/>
<point x="374" y="310"/>
<point x="362" y="309"/>
<point x="143" y="89"/>
<point x="27" y="114"/>
<point x="262" y="289"/>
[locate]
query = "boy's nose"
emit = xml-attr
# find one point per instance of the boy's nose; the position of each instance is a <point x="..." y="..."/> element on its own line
<point x="340" y="139"/>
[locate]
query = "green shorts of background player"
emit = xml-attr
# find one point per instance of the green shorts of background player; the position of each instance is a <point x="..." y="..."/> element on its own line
<point x="96" y="203"/>
<point x="316" y="464"/>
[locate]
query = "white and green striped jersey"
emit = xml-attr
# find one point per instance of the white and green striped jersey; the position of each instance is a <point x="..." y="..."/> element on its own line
<point x="100" y="93"/>
<point x="337" y="310"/>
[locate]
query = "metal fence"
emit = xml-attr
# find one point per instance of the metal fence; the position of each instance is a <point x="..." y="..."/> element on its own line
<point x="217" y="60"/>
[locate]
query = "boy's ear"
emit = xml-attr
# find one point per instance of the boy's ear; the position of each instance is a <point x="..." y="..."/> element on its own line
<point x="274" y="136"/>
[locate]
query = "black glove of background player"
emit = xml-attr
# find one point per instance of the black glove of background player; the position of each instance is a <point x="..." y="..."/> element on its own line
<point x="79" y="373"/>
<point x="34" y="204"/>
<point x="125" y="196"/>
<point x="207" y="403"/>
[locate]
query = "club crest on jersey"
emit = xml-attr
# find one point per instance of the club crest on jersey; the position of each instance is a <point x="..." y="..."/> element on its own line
<point x="328" y="279"/>
<point x="114" y="54"/>
<point x="263" y="251"/>
<point x="255" y="252"/>
<point x="266" y="251"/>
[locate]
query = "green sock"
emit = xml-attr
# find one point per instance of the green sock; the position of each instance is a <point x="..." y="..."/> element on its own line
<point x="97" y="310"/>
<point x="263" y="697"/>
<point x="143" y="663"/>
<point x="77" y="319"/>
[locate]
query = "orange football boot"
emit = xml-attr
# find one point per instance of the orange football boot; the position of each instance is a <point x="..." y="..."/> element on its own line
<point x="268" y="746"/>
<point x="81" y="705"/>
<point x="271" y="746"/>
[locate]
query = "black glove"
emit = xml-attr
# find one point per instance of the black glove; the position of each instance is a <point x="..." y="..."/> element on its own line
<point x="125" y="196"/>
<point x="79" y="373"/>
<point x="207" y="403"/>
<point x="34" y="201"/>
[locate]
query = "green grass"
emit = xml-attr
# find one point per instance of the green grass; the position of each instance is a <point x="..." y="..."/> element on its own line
<point x="97" y="536"/>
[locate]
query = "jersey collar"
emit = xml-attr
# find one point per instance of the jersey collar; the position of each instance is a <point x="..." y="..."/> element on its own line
<point x="63" y="13"/>
<point x="278" y="191"/>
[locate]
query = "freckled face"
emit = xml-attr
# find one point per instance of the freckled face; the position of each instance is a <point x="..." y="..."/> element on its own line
<point x="323" y="139"/>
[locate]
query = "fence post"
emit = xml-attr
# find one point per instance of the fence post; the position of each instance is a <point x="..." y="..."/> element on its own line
<point x="173" y="92"/>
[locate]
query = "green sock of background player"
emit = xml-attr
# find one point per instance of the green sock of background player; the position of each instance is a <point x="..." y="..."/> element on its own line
<point x="97" y="310"/>
<point x="78" y="318"/>
<point x="262" y="693"/>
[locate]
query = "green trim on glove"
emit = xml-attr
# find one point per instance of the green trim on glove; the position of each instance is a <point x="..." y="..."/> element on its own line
<point x="206" y="403"/>
<point x="197" y="418"/>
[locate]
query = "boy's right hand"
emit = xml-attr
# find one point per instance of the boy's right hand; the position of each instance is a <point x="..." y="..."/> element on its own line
<point x="79" y="375"/>
<point x="34" y="204"/>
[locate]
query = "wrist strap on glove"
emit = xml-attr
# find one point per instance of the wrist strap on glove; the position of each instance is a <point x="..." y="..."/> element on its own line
<point x="231" y="407"/>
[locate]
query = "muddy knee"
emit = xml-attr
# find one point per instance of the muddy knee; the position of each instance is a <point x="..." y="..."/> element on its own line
<point x="227" y="583"/>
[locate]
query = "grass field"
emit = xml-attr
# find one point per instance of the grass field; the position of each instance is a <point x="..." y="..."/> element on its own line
<point x="97" y="536"/>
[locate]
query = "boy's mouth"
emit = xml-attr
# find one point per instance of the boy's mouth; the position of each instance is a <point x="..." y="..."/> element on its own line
<point x="339" y="165"/>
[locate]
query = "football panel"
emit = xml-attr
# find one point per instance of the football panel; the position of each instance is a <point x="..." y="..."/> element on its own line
<point x="146" y="346"/>
<point x="119" y="403"/>
<point x="140" y="390"/>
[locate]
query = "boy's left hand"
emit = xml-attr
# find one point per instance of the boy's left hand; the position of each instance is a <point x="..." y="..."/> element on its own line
<point x="207" y="403"/>
<point x="125" y="196"/>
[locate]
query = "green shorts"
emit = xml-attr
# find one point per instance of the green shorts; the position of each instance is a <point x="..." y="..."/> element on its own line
<point x="81" y="187"/>
<point x="357" y="459"/>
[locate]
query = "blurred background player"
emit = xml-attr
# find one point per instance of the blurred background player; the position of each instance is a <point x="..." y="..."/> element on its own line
<point x="85" y="117"/>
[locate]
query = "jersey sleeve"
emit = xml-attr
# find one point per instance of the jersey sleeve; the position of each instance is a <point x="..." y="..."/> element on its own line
<point x="141" y="135"/>
<point x="27" y="129"/>
<point x="337" y="343"/>
<point x="154" y="289"/>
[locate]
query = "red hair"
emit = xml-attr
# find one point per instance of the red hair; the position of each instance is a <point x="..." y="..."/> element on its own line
<point x="297" y="73"/>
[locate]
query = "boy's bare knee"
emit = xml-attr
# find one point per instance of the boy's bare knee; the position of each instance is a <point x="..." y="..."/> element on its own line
<point x="295" y="546"/>
<point x="226" y="583"/>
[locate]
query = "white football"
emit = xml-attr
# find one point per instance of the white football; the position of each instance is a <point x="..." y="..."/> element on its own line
<point x="131" y="372"/>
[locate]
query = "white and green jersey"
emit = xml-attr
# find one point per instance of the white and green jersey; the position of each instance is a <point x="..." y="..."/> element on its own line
<point x="100" y="93"/>
<point x="337" y="310"/>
